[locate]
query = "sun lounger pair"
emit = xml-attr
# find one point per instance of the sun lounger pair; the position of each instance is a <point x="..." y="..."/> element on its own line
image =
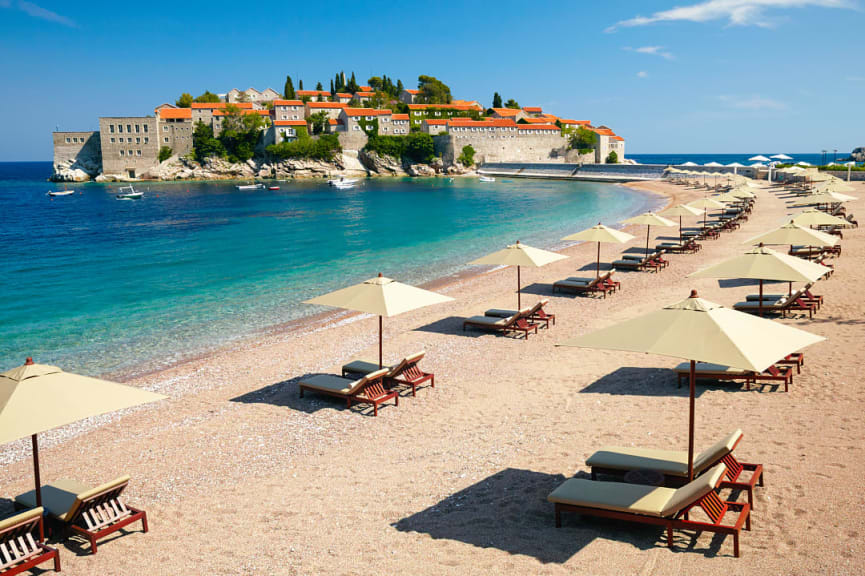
<point x="89" y="512"/>
<point x="792" y="303"/>
<point x="718" y="372"/>
<point x="652" y="262"/>
<point x="660" y="506"/>
<point x="515" y="323"/>
<point x="368" y="389"/>
<point x="806" y="296"/>
<point x="673" y="465"/>
<point x="20" y="548"/>
<point x="688" y="247"/>
<point x="602" y="284"/>
<point x="536" y="314"/>
<point x="406" y="372"/>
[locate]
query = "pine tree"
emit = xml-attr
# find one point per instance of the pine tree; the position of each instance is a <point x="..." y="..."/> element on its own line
<point x="352" y="84"/>
<point x="399" y="87"/>
<point x="300" y="84"/>
<point x="288" y="91"/>
<point x="319" y="87"/>
<point x="332" y="90"/>
<point x="497" y="100"/>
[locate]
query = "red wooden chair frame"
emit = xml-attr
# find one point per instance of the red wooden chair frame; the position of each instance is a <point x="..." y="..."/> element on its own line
<point x="21" y="550"/>
<point x="373" y="392"/>
<point x="796" y="359"/>
<point x="103" y="514"/>
<point x="413" y="376"/>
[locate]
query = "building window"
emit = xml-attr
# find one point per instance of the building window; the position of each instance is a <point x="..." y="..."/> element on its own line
<point x="138" y="152"/>
<point x="138" y="140"/>
<point x="137" y="128"/>
<point x="130" y="152"/>
<point x="165" y="139"/>
<point x="121" y="139"/>
<point x="145" y="128"/>
<point x="120" y="128"/>
<point x="165" y="128"/>
<point x="129" y="128"/>
<point x="146" y="139"/>
<point x="112" y="140"/>
<point x="111" y="128"/>
<point x="122" y="152"/>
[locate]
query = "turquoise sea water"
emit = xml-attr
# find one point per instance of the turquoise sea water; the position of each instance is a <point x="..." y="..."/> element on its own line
<point x="106" y="286"/>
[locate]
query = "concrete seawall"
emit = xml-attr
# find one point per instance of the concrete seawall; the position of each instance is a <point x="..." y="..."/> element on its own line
<point x="586" y="172"/>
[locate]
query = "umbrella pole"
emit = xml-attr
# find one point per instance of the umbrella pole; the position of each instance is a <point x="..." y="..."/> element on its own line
<point x="680" y="230"/>
<point x="761" y="298"/>
<point x="379" y="343"/>
<point x="692" y="385"/>
<point x="518" y="287"/>
<point x="647" y="239"/>
<point x="38" y="482"/>
<point x="598" y="267"/>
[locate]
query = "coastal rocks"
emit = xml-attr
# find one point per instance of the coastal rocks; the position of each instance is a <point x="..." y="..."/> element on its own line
<point x="303" y="168"/>
<point x="420" y="170"/>
<point x="381" y="165"/>
<point x="79" y="170"/>
<point x="858" y="154"/>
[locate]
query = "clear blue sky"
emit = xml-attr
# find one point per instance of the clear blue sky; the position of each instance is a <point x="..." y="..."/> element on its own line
<point x="670" y="75"/>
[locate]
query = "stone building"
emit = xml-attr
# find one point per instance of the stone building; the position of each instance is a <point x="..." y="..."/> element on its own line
<point x="434" y="127"/>
<point x="608" y="141"/>
<point x="288" y="110"/>
<point x="401" y="124"/>
<point x="408" y="96"/>
<point x="203" y="111"/>
<point x="501" y="140"/>
<point x="220" y="115"/>
<point x="344" y="97"/>
<point x="419" y="112"/>
<point x="77" y="155"/>
<point x="358" y="123"/>
<point x="129" y="145"/>
<point x="175" y="129"/>
<point x="313" y="95"/>
<point x="508" y="114"/>
<point x="285" y="130"/>
<point x="251" y="95"/>
<point x="533" y="111"/>
<point x="363" y="97"/>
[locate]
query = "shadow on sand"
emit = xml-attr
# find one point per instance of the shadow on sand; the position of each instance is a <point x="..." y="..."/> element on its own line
<point x="634" y="381"/>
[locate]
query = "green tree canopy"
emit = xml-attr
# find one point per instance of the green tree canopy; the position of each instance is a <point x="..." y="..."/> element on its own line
<point x="513" y="104"/>
<point x="612" y="158"/>
<point x="319" y="87"/>
<point x="497" y="100"/>
<point x="204" y="144"/>
<point x="352" y="84"/>
<point x="317" y="122"/>
<point x="208" y="97"/>
<point x="300" y="84"/>
<point x="165" y="153"/>
<point x="582" y="139"/>
<point x="467" y="158"/>
<point x="185" y="100"/>
<point x="240" y="133"/>
<point x="288" y="92"/>
<point x="433" y="91"/>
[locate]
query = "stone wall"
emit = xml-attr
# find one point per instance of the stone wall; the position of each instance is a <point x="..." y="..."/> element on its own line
<point x="130" y="145"/>
<point x="352" y="140"/>
<point x="497" y="148"/>
<point x="77" y="156"/>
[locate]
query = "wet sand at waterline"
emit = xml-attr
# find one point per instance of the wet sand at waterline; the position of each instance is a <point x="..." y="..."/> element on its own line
<point x="241" y="476"/>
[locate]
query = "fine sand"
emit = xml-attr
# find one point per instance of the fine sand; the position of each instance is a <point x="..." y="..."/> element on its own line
<point x="241" y="476"/>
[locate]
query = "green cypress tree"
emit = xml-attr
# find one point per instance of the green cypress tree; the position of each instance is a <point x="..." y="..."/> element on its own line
<point x="497" y="100"/>
<point x="319" y="87"/>
<point x="288" y="91"/>
<point x="352" y="84"/>
<point x="300" y="84"/>
<point x="399" y="87"/>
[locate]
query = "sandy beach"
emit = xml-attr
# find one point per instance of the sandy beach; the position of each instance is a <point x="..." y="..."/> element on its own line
<point x="241" y="476"/>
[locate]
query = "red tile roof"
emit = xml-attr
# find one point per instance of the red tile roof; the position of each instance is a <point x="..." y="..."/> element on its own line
<point x="537" y="120"/>
<point x="505" y="111"/>
<point x="289" y="123"/>
<point x="443" y="107"/>
<point x="538" y="127"/>
<point x="412" y="92"/>
<point x="333" y="121"/>
<point x="288" y="103"/>
<point x="364" y="89"/>
<point x="366" y="112"/>
<point x="533" y="109"/>
<point x="603" y="131"/>
<point x="619" y="138"/>
<point x="400" y="116"/>
<point x="492" y="122"/>
<point x="216" y="105"/>
<point x="243" y="111"/>
<point x="432" y="122"/>
<point x="344" y="95"/>
<point x="312" y="93"/>
<point x="580" y="122"/>
<point x="364" y="94"/>
<point x="327" y="104"/>
<point x="175" y="113"/>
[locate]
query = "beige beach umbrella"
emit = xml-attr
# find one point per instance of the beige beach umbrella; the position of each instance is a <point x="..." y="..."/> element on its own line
<point x="519" y="255"/>
<point x="834" y="185"/>
<point x="763" y="263"/>
<point x="382" y="297"/>
<point x="814" y="217"/>
<point x="35" y="398"/>
<point x="826" y="197"/>
<point x="649" y="219"/>
<point x="681" y="210"/>
<point x="704" y="204"/>
<point x="793" y="234"/>
<point x="602" y="235"/>
<point x="701" y="331"/>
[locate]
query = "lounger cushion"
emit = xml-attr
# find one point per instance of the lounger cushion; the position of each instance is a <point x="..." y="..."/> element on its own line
<point x="488" y="321"/>
<point x="338" y="385"/>
<point x="706" y="368"/>
<point x="57" y="497"/>
<point x="670" y="462"/>
<point x="500" y="313"/>
<point x="716" y="451"/>
<point x="362" y="367"/>
<point x="20" y="518"/>
<point x="618" y="496"/>
<point x="628" y="263"/>
<point x="694" y="490"/>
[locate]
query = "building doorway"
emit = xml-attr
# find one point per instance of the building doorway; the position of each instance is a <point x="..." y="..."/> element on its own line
<point x="131" y="172"/>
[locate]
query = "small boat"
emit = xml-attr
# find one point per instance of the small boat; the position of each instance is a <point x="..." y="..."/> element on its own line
<point x="128" y="193"/>
<point x="341" y="181"/>
<point x="273" y="187"/>
<point x="254" y="186"/>
<point x="344" y="186"/>
<point x="64" y="192"/>
<point x="486" y="179"/>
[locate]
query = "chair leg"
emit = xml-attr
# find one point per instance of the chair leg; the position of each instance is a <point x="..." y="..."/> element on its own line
<point x="670" y="536"/>
<point x="144" y="521"/>
<point x="92" y="544"/>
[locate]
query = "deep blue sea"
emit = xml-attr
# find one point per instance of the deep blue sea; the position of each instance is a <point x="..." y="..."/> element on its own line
<point x="104" y="286"/>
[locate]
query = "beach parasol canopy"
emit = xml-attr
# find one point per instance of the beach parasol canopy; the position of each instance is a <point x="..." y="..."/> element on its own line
<point x="803" y="163"/>
<point x="833" y="185"/>
<point x="519" y="255"/>
<point x="681" y="210"/>
<point x="758" y="159"/>
<point x="793" y="234"/>
<point x="701" y="331"/>
<point x="814" y="217"/>
<point x="781" y="157"/>
<point x="689" y="164"/>
<point x="649" y="219"/>
<point x="35" y="398"/>
<point x="758" y="165"/>
<point x="704" y="204"/>
<point x="824" y="197"/>
<point x="381" y="296"/>
<point x="713" y="164"/>
<point x="600" y="234"/>
<point x="761" y="264"/>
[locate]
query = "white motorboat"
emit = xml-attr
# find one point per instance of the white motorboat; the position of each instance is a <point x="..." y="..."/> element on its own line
<point x="486" y="179"/>
<point x="344" y="186"/>
<point x="64" y="192"/>
<point x="128" y="193"/>
<point x="343" y="181"/>
<point x="256" y="186"/>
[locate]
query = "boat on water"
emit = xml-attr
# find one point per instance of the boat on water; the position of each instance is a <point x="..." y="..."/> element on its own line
<point x="254" y="186"/>
<point x="64" y="192"/>
<point x="128" y="193"/>
<point x="486" y="179"/>
<point x="273" y="187"/>
<point x="343" y="181"/>
<point x="346" y="186"/>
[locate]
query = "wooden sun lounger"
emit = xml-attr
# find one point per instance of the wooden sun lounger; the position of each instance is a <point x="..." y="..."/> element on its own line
<point x="20" y="548"/>
<point x="795" y="302"/>
<point x="688" y="247"/>
<point x="659" y="506"/>
<point x="617" y="461"/>
<point x="602" y="284"/>
<point x="406" y="372"/>
<point x="536" y="313"/>
<point x="639" y="265"/>
<point x="805" y="294"/>
<point x="706" y="371"/>
<point x="89" y="512"/>
<point x="368" y="389"/>
<point x="517" y="323"/>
